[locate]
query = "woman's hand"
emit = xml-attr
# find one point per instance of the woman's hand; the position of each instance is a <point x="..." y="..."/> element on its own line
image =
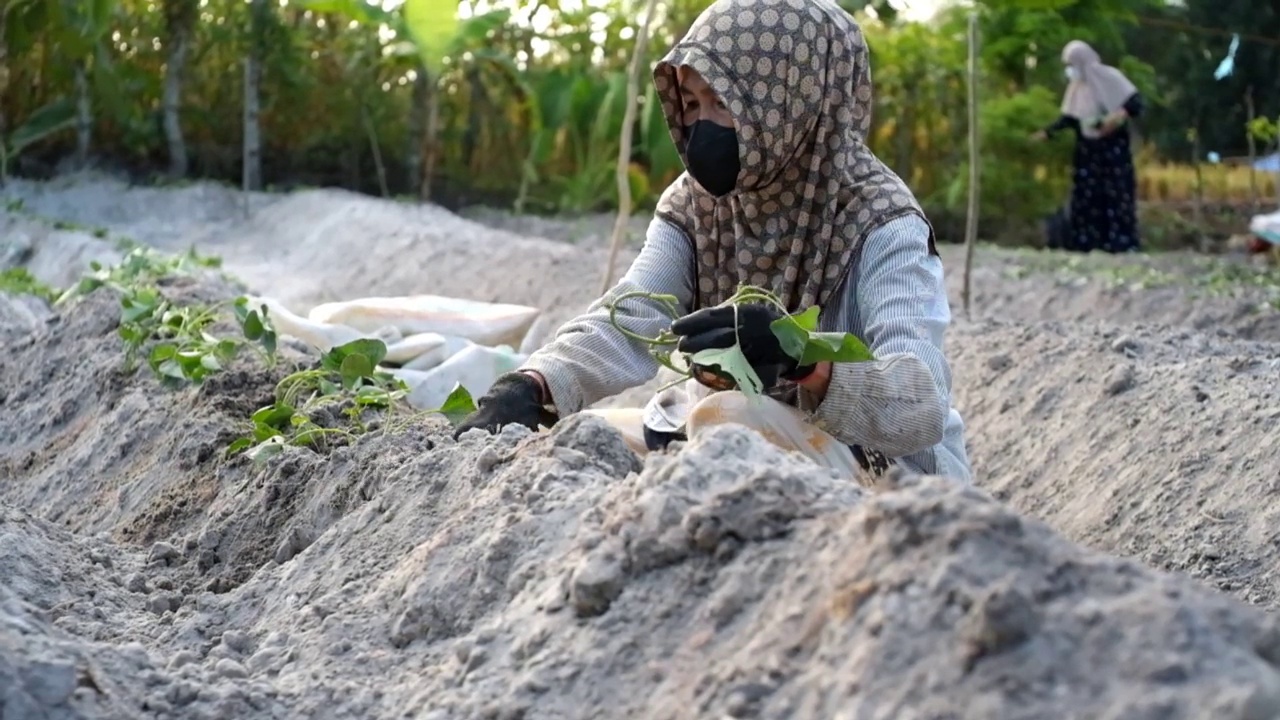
<point x="516" y="398"/>
<point x="713" y="328"/>
<point x="1112" y="121"/>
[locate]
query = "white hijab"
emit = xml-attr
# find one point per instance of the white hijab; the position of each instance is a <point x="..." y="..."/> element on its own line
<point x="1095" y="90"/>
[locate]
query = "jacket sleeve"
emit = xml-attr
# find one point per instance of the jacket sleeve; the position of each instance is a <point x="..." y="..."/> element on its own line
<point x="589" y="359"/>
<point x="898" y="403"/>
<point x="1062" y="123"/>
<point x="1134" y="106"/>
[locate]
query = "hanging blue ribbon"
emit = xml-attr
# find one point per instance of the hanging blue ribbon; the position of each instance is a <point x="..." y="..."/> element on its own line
<point x="1228" y="63"/>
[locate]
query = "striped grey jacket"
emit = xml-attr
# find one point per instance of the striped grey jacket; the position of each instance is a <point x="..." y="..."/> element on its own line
<point x="894" y="299"/>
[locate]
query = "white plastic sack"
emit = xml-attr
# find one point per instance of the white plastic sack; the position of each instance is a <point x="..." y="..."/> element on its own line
<point x="452" y="346"/>
<point x="692" y="408"/>
<point x="1266" y="226"/>
<point x="323" y="336"/>
<point x="480" y="322"/>
<point x="476" y="367"/>
<point x="416" y="346"/>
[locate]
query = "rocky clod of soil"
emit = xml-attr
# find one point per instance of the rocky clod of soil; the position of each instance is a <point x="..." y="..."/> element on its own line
<point x="145" y="575"/>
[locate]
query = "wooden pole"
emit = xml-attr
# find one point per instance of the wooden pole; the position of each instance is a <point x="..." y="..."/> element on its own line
<point x="624" y="145"/>
<point x="971" y="219"/>
<point x="1253" y="150"/>
<point x="1197" y="200"/>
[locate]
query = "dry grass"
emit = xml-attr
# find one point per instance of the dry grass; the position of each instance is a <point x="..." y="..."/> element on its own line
<point x="1165" y="182"/>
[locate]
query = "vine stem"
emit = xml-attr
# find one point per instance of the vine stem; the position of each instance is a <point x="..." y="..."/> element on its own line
<point x="669" y="304"/>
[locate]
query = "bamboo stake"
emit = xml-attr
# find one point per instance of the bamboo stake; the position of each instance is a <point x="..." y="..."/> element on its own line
<point x="1253" y="150"/>
<point x="1197" y="207"/>
<point x="971" y="219"/>
<point x="624" y="145"/>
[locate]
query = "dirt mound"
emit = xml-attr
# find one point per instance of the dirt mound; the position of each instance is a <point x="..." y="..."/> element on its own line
<point x="1147" y="442"/>
<point x="149" y="575"/>
<point x="546" y="578"/>
<point x="1186" y="290"/>
<point x="80" y="642"/>
<point x="171" y="217"/>
<point x="103" y="450"/>
<point x="53" y="252"/>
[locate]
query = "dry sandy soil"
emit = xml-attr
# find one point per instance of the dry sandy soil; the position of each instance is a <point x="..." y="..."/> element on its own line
<point x="1118" y="557"/>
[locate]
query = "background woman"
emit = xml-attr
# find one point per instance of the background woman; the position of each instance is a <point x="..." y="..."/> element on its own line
<point x="1096" y="105"/>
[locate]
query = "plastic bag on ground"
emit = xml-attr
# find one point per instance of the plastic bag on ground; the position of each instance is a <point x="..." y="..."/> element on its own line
<point x="476" y="367"/>
<point x="452" y="346"/>
<point x="323" y="336"/>
<point x="480" y="322"/>
<point x="416" y="346"/>
<point x="1266" y="226"/>
<point x="692" y="408"/>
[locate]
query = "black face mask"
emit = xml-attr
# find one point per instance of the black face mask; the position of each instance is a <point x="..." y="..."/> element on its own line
<point x="713" y="156"/>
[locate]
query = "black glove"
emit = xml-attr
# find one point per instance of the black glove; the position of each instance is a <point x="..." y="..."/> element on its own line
<point x="514" y="398"/>
<point x="713" y="328"/>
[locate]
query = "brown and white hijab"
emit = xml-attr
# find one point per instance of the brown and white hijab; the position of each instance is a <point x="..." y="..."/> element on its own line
<point x="795" y="76"/>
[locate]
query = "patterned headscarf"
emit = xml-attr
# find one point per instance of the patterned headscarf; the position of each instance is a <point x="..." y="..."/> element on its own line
<point x="795" y="77"/>
<point x="1096" y="90"/>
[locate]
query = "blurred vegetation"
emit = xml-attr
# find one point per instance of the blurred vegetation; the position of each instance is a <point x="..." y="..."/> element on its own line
<point x="520" y="102"/>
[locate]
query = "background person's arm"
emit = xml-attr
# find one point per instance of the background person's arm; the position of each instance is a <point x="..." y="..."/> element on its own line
<point x="898" y="403"/>
<point x="1062" y="123"/>
<point x="1132" y="108"/>
<point x="589" y="359"/>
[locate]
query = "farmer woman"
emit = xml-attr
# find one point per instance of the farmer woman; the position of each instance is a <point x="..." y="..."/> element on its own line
<point x="1098" y="101"/>
<point x="769" y="104"/>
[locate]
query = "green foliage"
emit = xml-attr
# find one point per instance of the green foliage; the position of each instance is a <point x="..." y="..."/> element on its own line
<point x="141" y="266"/>
<point x="347" y="379"/>
<point x="1020" y="177"/>
<point x="458" y="405"/>
<point x="1265" y="129"/>
<point x="728" y="368"/>
<point x="45" y="122"/>
<point x="182" y="346"/>
<point x="432" y="23"/>
<point x="19" y="281"/>
<point x="801" y="339"/>
<point x="530" y="101"/>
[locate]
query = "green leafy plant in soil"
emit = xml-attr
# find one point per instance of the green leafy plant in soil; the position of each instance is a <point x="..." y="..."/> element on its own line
<point x="176" y="340"/>
<point x="347" y="380"/>
<point x="180" y="347"/>
<point x="20" y="282"/>
<point x="728" y="368"/>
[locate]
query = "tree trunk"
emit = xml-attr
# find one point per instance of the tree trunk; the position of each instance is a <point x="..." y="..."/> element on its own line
<point x="378" y="166"/>
<point x="975" y="160"/>
<point x="1255" y="204"/>
<point x="252" y="176"/>
<point x="180" y="17"/>
<point x="173" y="108"/>
<point x="431" y="145"/>
<point x="475" y="111"/>
<point x="84" y="116"/>
<point x="4" y="93"/>
<point x="252" y="159"/>
<point x="417" y="130"/>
